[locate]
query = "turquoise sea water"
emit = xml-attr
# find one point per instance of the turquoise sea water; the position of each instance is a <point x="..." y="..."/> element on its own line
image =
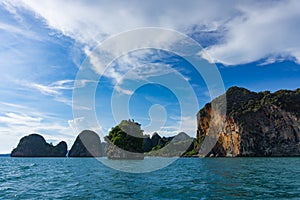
<point x="186" y="178"/>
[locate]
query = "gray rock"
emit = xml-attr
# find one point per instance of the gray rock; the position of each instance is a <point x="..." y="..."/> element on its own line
<point x="34" y="145"/>
<point x="87" y="144"/>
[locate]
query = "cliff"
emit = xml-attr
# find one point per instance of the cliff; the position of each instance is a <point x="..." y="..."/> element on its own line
<point x="87" y="144"/>
<point x="255" y="124"/>
<point x="35" y="145"/>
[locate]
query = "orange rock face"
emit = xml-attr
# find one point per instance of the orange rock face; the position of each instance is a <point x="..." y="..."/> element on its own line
<point x="254" y="124"/>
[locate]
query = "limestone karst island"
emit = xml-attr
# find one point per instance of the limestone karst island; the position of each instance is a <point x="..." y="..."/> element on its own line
<point x="255" y="124"/>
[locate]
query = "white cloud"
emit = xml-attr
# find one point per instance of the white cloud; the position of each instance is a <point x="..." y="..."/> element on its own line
<point x="13" y="105"/>
<point x="54" y="89"/>
<point x="15" y="125"/>
<point x="95" y="20"/>
<point x="252" y="30"/>
<point x="47" y="90"/>
<point x="79" y="124"/>
<point x="118" y="88"/>
<point x="141" y="65"/>
<point x="74" y="123"/>
<point x="136" y="65"/>
<point x="14" y="30"/>
<point x="17" y="119"/>
<point x="262" y="30"/>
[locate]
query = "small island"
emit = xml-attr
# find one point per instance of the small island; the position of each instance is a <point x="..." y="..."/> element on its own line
<point x="35" y="145"/>
<point x="87" y="144"/>
<point x="125" y="141"/>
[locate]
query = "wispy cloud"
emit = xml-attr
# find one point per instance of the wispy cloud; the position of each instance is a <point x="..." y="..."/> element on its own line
<point x="18" y="31"/>
<point x="55" y="89"/>
<point x="123" y="91"/>
<point x="52" y="89"/>
<point x="17" y="119"/>
<point x="17" y="124"/>
<point x="139" y="65"/>
<point x="13" y="105"/>
<point x="47" y="90"/>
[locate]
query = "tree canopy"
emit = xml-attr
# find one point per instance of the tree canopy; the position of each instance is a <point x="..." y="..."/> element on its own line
<point x="128" y="136"/>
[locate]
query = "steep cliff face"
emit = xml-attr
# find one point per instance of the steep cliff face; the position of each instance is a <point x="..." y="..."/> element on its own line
<point x="255" y="124"/>
<point x="35" y="145"/>
<point x="87" y="144"/>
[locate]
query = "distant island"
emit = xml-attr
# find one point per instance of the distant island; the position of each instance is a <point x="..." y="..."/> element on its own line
<point x="121" y="143"/>
<point x="35" y="145"/>
<point x="255" y="124"/>
<point x="88" y="139"/>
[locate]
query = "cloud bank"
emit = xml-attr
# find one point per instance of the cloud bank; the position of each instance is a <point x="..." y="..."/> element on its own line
<point x="251" y="30"/>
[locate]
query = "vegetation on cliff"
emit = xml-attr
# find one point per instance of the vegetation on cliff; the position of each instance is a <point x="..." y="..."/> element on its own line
<point x="125" y="141"/>
<point x="256" y="124"/>
<point x="175" y="146"/>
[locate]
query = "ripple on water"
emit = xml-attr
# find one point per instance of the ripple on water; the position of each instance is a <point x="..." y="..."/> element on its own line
<point x="60" y="178"/>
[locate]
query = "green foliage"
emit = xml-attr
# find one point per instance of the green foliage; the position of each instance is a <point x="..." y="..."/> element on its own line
<point x="127" y="136"/>
<point x="241" y="101"/>
<point x="191" y="153"/>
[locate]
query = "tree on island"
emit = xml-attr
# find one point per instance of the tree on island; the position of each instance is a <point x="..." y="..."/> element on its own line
<point x="125" y="141"/>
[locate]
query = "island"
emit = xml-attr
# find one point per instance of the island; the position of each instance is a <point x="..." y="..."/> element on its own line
<point x="87" y="144"/>
<point x="35" y="145"/>
<point x="180" y="145"/>
<point x="125" y="141"/>
<point x="255" y="124"/>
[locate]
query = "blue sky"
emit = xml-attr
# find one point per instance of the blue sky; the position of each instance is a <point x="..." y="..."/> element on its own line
<point x="42" y="46"/>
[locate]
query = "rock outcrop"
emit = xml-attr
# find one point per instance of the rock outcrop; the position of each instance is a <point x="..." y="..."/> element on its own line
<point x="103" y="148"/>
<point x="155" y="142"/>
<point x="255" y="124"/>
<point x="35" y="145"/>
<point x="125" y="141"/>
<point x="87" y="144"/>
<point x="174" y="146"/>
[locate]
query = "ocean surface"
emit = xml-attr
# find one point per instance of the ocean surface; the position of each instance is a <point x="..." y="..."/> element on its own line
<point x="186" y="178"/>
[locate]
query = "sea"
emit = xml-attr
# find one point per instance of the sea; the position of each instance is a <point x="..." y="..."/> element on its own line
<point x="185" y="178"/>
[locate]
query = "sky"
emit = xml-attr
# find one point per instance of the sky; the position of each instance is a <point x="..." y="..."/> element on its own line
<point x="43" y="46"/>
